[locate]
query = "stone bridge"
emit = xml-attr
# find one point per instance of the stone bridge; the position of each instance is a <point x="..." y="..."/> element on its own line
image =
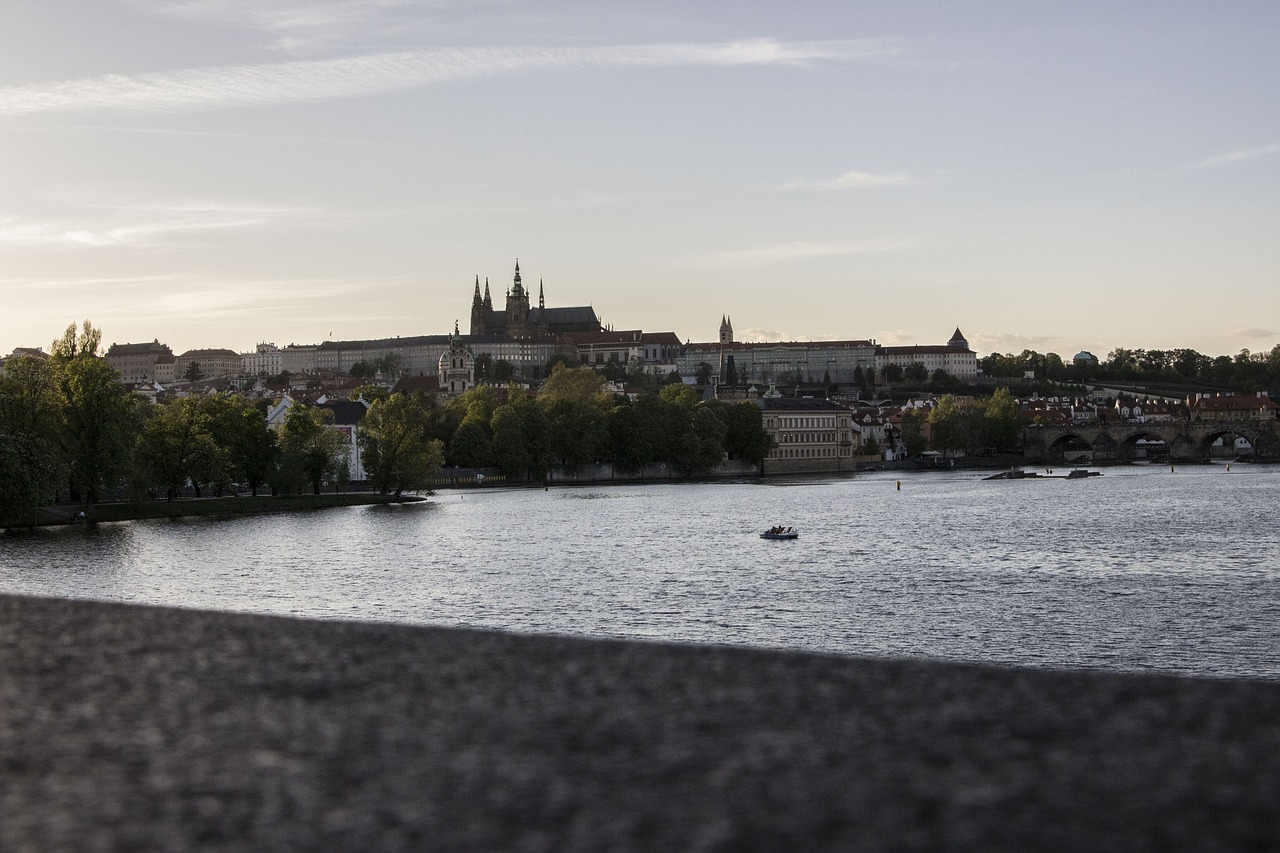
<point x="1188" y="441"/>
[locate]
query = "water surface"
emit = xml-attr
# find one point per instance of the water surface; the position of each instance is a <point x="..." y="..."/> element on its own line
<point x="1139" y="569"/>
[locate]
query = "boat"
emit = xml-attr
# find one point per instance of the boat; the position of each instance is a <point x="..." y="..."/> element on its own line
<point x="780" y="533"/>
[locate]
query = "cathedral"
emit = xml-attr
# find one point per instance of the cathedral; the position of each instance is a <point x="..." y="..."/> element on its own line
<point x="521" y="321"/>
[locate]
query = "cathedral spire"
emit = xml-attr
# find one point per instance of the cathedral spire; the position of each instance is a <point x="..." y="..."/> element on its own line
<point x="542" y="300"/>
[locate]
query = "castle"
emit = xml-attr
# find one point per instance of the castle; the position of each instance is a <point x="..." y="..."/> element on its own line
<point x="520" y="321"/>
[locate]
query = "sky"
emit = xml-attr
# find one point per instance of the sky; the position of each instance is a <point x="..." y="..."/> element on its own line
<point x="1048" y="176"/>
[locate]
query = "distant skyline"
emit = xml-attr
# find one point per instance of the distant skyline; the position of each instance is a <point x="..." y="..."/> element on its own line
<point x="1059" y="177"/>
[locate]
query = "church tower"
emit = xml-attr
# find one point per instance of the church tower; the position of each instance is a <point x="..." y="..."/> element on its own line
<point x="518" y="308"/>
<point x="479" y="317"/>
<point x="726" y="330"/>
<point x="544" y="324"/>
<point x="457" y="367"/>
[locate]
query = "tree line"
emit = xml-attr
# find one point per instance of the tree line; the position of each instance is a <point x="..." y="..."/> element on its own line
<point x="1246" y="372"/>
<point x="68" y="425"/>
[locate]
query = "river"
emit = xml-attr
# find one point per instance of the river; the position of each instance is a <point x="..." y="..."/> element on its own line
<point x="1142" y="569"/>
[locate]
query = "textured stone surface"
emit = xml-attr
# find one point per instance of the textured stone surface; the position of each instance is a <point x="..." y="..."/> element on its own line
<point x="130" y="728"/>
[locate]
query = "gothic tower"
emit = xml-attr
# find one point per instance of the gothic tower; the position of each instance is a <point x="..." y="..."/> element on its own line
<point x="726" y="330"/>
<point x="518" y="308"/>
<point x="479" y="318"/>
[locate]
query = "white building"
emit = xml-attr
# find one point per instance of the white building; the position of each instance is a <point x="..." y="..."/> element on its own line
<point x="955" y="358"/>
<point x="266" y="360"/>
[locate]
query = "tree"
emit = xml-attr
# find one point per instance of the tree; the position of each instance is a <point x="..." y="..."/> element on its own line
<point x="99" y="422"/>
<point x="193" y="372"/>
<point x="397" y="452"/>
<point x="681" y="395"/>
<point x="704" y="373"/>
<point x="72" y="344"/>
<point x="1004" y="427"/>
<point x="510" y="450"/>
<point x="576" y="431"/>
<point x="240" y="430"/>
<point x="30" y="462"/>
<point x="629" y="446"/>
<point x="957" y="425"/>
<point x="176" y="446"/>
<point x="913" y="441"/>
<point x="310" y="451"/>
<point x="484" y="367"/>
<point x="503" y="370"/>
<point x="576" y="385"/>
<point x="701" y="448"/>
<point x="470" y="447"/>
<point x="745" y="437"/>
<point x="892" y="373"/>
<point x="916" y="372"/>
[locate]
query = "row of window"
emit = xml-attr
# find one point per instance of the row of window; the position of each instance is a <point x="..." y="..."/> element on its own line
<point x="806" y="437"/>
<point x="804" y="453"/>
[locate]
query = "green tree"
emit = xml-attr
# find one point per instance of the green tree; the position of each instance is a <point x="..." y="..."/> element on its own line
<point x="577" y="431"/>
<point x="398" y="455"/>
<point x="310" y="451"/>
<point x="248" y="445"/>
<point x="510" y="450"/>
<point x="916" y="372"/>
<point x="72" y="344"/>
<point x="176" y="446"/>
<point x="681" y="395"/>
<point x="30" y="460"/>
<point x="1004" y="427"/>
<point x="745" y="436"/>
<point x="470" y="447"/>
<point x="913" y="438"/>
<point x="629" y="446"/>
<point x="99" y="422"/>
<point x="503" y="371"/>
<point x="193" y="372"/>
<point x="957" y="424"/>
<point x="701" y="447"/>
<point x="576" y="385"/>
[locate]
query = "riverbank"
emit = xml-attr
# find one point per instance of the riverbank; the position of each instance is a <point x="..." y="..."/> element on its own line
<point x="126" y="727"/>
<point x="236" y="505"/>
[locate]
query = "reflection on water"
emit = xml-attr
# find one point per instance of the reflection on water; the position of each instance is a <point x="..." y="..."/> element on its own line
<point x="1142" y="568"/>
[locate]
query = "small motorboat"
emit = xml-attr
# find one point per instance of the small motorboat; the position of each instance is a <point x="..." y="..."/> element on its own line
<point x="780" y="533"/>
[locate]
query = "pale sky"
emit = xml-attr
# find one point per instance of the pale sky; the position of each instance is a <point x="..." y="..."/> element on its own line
<point x="1053" y="176"/>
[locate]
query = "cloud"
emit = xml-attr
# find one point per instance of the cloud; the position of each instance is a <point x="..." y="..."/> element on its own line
<point x="761" y="336"/>
<point x="1006" y="342"/>
<point x="1242" y="333"/>
<point x="787" y="252"/>
<point x="295" y="26"/>
<point x="383" y="73"/>
<point x="141" y="225"/>
<point x="852" y="181"/>
<point x="1237" y="156"/>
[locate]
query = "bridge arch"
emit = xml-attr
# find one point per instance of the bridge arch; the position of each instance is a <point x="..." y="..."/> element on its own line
<point x="1128" y="448"/>
<point x="1070" y="447"/>
<point x="1228" y="433"/>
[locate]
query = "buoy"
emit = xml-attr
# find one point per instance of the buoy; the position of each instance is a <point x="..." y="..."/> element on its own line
<point x="899" y="485"/>
<point x="1228" y="467"/>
